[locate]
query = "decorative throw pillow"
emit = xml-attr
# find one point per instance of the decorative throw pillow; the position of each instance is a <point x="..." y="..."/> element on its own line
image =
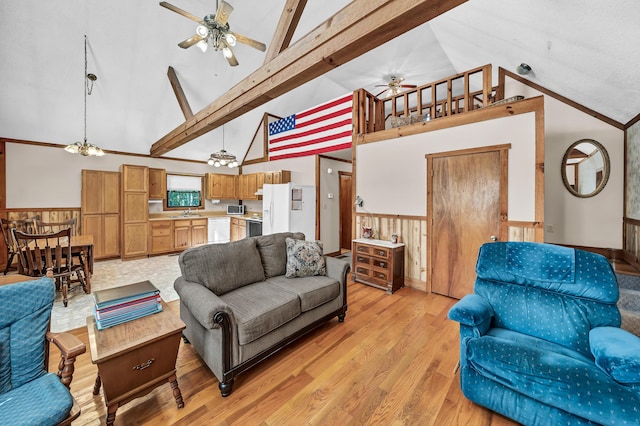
<point x="304" y="258"/>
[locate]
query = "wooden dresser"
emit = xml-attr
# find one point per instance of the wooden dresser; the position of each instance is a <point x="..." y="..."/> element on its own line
<point x="378" y="263"/>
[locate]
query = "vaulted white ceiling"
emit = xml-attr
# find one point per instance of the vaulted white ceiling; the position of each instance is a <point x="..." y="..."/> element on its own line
<point x="583" y="50"/>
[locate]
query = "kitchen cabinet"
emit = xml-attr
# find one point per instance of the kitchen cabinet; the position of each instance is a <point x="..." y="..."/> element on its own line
<point x="135" y="211"/>
<point x="379" y="264"/>
<point x="100" y="210"/>
<point x="160" y="236"/>
<point x="238" y="228"/>
<point x="157" y="184"/>
<point x="198" y="232"/>
<point x="181" y="234"/>
<point x="221" y="186"/>
<point x="278" y="176"/>
<point x="247" y="186"/>
<point x="189" y="233"/>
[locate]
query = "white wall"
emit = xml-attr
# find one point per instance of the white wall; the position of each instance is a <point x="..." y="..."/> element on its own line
<point x="591" y="222"/>
<point x="391" y="175"/>
<point x="48" y="177"/>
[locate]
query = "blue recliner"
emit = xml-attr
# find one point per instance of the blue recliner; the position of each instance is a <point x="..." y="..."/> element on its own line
<point x="28" y="394"/>
<point x="540" y="340"/>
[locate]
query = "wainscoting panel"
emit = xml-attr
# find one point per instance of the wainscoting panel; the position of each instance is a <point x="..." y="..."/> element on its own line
<point x="412" y="231"/>
<point x="522" y="232"/>
<point x="632" y="241"/>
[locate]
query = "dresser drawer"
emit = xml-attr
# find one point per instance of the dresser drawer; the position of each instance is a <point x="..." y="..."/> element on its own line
<point x="365" y="260"/>
<point x="138" y="367"/>
<point x="362" y="249"/>
<point x="380" y="252"/>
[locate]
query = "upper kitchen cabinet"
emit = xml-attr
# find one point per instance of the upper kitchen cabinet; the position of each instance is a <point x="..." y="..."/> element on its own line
<point x="157" y="184"/>
<point x="247" y="186"/>
<point x="221" y="186"/>
<point x="279" y="176"/>
<point x="100" y="192"/>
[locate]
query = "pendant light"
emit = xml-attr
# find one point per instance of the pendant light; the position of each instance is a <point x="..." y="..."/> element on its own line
<point x="222" y="157"/>
<point x="84" y="148"/>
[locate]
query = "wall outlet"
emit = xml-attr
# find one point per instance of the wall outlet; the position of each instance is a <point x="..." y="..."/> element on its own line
<point x="550" y="229"/>
<point x="330" y="196"/>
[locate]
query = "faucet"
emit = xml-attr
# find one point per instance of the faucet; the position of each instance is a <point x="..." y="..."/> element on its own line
<point x="187" y="212"/>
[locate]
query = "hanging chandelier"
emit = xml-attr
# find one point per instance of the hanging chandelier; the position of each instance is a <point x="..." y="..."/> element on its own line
<point x="84" y="148"/>
<point x="222" y="157"/>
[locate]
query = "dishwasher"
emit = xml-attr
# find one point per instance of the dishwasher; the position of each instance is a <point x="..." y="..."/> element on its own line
<point x="219" y="230"/>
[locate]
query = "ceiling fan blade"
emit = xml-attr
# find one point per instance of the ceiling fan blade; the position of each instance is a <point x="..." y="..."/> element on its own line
<point x="408" y="86"/>
<point x="190" y="41"/>
<point x="249" y="41"/>
<point x="223" y="12"/>
<point x="182" y="12"/>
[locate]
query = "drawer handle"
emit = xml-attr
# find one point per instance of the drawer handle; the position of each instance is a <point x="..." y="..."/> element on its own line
<point x="382" y="253"/>
<point x="145" y="365"/>
<point x="382" y="264"/>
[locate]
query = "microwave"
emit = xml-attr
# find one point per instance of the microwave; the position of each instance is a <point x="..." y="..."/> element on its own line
<point x="235" y="209"/>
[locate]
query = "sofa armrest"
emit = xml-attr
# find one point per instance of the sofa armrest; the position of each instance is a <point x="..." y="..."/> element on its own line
<point x="338" y="269"/>
<point x="70" y="347"/>
<point x="203" y="304"/>
<point x="617" y="353"/>
<point x="473" y="311"/>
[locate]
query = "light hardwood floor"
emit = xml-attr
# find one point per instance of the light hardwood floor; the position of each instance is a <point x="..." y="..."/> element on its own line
<point x="391" y="362"/>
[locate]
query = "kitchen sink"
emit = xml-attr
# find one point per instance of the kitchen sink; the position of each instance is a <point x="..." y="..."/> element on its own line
<point x="186" y="216"/>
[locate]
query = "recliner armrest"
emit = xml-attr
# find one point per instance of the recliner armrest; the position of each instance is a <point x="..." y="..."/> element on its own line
<point x="472" y="310"/>
<point x="202" y="302"/>
<point x="617" y="353"/>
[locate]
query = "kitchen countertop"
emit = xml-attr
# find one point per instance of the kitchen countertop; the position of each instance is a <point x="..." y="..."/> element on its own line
<point x="204" y="215"/>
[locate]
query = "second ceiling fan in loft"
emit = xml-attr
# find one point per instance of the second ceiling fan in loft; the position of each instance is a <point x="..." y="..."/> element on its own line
<point x="214" y="30"/>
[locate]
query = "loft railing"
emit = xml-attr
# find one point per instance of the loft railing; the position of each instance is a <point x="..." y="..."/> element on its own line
<point x="456" y="94"/>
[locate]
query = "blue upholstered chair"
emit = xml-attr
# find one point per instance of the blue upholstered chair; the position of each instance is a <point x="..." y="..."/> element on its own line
<point x="540" y="340"/>
<point x="28" y="394"/>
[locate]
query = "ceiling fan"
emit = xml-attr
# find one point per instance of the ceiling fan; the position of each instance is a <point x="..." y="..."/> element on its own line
<point x="394" y="85"/>
<point x="214" y="30"/>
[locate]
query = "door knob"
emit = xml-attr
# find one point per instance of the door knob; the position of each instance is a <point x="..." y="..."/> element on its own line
<point x="494" y="238"/>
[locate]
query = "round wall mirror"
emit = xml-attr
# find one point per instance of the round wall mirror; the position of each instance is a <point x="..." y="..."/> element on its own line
<point x="585" y="168"/>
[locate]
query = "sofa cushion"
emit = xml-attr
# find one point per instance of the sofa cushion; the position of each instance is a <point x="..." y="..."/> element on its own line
<point x="273" y="252"/>
<point x="260" y="308"/>
<point x="223" y="267"/>
<point x="304" y="258"/>
<point x="551" y="374"/>
<point x="312" y="291"/>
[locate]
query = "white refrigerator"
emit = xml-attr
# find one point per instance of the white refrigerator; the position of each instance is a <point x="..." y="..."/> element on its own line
<point x="289" y="208"/>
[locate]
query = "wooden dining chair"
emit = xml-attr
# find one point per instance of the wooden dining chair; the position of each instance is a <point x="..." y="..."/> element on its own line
<point x="24" y="225"/>
<point x="39" y="252"/>
<point x="52" y="227"/>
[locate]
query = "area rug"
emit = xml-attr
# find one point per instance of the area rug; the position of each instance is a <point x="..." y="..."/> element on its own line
<point x="160" y="270"/>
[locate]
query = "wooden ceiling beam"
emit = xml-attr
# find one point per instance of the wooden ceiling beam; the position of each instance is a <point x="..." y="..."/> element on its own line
<point x="361" y="26"/>
<point x="180" y="96"/>
<point x="286" y="27"/>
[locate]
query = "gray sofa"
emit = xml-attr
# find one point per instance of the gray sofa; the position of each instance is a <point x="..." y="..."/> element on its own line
<point x="240" y="308"/>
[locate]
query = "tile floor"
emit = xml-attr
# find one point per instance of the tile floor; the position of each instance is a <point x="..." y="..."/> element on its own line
<point x="160" y="270"/>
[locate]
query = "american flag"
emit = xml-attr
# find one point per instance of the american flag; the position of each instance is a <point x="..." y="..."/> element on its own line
<point x="318" y="130"/>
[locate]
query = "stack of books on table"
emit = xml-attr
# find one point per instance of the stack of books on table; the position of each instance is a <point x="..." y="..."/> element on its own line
<point x="118" y="305"/>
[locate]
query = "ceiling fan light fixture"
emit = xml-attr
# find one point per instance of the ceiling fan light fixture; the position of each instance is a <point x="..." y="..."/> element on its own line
<point x="231" y="39"/>
<point x="226" y="52"/>
<point x="202" y="31"/>
<point x="202" y="44"/>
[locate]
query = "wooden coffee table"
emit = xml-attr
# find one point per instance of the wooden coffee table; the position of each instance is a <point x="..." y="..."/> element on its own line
<point x="135" y="357"/>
